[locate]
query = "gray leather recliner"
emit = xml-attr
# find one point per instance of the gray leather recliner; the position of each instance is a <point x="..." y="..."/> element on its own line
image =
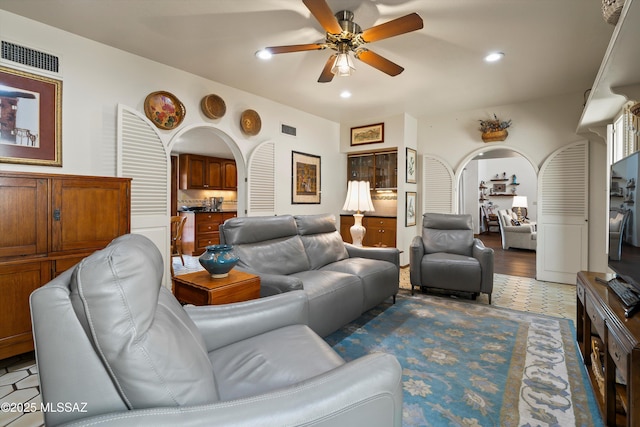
<point x="448" y="257"/>
<point x="117" y="347"/>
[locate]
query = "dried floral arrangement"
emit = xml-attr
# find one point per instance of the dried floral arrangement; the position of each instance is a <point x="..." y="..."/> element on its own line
<point x="493" y="125"/>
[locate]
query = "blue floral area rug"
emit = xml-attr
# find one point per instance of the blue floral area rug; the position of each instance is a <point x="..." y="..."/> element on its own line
<point x="471" y="365"/>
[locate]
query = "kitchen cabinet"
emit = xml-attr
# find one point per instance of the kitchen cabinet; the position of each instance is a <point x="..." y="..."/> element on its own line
<point x="49" y="223"/>
<point x="201" y="230"/>
<point x="379" y="168"/>
<point x="381" y="231"/>
<point x="208" y="173"/>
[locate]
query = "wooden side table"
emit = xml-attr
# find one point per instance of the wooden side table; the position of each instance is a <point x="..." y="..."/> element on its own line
<point x="200" y="288"/>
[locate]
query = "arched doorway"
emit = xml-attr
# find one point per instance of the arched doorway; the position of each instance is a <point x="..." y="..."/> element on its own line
<point x="488" y="181"/>
<point x="207" y="140"/>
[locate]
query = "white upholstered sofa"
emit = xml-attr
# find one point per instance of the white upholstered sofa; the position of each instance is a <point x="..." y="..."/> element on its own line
<point x="523" y="236"/>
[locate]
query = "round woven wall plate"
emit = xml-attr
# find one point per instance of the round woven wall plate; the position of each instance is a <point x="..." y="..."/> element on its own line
<point x="250" y="122"/>
<point x="213" y="106"/>
<point x="164" y="109"/>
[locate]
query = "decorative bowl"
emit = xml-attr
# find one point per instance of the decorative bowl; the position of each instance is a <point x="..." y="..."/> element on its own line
<point x="218" y="260"/>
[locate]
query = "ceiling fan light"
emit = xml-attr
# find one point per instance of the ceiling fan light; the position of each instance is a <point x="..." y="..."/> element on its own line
<point x="264" y="54"/>
<point x="343" y="66"/>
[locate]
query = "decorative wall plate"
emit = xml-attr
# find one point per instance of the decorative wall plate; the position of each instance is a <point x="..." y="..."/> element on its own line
<point x="250" y="122"/>
<point x="164" y="109"/>
<point x="213" y="106"/>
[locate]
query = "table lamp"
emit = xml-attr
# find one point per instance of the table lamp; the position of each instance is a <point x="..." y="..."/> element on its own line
<point x="359" y="200"/>
<point x="519" y="202"/>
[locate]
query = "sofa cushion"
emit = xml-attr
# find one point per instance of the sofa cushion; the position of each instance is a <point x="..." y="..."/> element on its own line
<point x="451" y="271"/>
<point x="379" y="278"/>
<point x="262" y="363"/>
<point x="149" y="345"/>
<point x="335" y="299"/>
<point x="322" y="242"/>
<point x="447" y="233"/>
<point x="615" y="222"/>
<point x="266" y="244"/>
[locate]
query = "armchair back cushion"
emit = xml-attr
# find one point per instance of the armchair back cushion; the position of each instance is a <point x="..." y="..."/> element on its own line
<point x="258" y="241"/>
<point x="150" y="347"/>
<point x="322" y="242"/>
<point x="447" y="233"/>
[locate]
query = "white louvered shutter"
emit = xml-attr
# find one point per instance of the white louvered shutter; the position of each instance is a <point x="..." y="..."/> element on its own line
<point x="562" y="240"/>
<point x="261" y="180"/>
<point x="437" y="185"/>
<point x="143" y="157"/>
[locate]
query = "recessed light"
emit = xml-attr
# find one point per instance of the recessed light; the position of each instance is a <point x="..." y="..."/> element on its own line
<point x="480" y="154"/>
<point x="264" y="54"/>
<point x="345" y="94"/>
<point x="494" y="56"/>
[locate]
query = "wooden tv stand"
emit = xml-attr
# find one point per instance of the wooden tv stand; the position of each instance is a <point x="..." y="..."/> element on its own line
<point x="600" y="313"/>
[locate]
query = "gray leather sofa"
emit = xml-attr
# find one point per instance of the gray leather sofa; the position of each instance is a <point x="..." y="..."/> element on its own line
<point x="115" y="348"/>
<point x="448" y="257"/>
<point x="342" y="281"/>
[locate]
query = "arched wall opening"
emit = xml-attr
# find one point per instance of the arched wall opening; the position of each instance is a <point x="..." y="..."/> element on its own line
<point x="206" y="139"/>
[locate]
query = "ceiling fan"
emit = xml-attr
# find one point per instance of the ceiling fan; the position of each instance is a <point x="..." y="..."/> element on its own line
<point x="344" y="36"/>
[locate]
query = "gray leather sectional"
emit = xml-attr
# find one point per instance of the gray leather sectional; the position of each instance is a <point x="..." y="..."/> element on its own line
<point x="306" y="252"/>
<point x="115" y="348"/>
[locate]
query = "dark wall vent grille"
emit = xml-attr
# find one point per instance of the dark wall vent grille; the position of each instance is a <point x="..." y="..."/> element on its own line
<point x="31" y="57"/>
<point x="288" y="130"/>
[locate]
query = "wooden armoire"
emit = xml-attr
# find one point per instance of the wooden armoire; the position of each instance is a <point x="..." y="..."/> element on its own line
<point x="48" y="223"/>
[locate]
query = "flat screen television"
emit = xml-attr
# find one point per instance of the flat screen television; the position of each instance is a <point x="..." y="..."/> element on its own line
<point x="624" y="220"/>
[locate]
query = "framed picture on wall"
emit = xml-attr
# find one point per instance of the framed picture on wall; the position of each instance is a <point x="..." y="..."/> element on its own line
<point x="410" y="209"/>
<point x="411" y="166"/>
<point x="30" y="118"/>
<point x="305" y="178"/>
<point x="369" y="134"/>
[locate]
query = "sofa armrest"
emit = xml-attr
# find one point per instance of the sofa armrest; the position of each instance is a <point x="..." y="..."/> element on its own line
<point x="366" y="391"/>
<point x="385" y="254"/>
<point x="416" y="252"/>
<point x="485" y="256"/>
<point x="273" y="284"/>
<point x="222" y="325"/>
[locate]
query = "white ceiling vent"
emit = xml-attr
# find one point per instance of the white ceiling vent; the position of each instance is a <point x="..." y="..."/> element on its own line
<point x="30" y="57"/>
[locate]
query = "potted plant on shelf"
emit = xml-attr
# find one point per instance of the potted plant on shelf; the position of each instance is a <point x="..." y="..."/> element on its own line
<point x="494" y="129"/>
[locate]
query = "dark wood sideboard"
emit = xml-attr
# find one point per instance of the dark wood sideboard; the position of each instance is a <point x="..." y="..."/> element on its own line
<point x="616" y="381"/>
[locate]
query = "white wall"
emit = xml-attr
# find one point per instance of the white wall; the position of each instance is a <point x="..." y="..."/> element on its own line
<point x="97" y="77"/>
<point x="539" y="128"/>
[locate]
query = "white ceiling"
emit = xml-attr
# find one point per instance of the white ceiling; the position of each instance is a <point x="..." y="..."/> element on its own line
<point x="552" y="47"/>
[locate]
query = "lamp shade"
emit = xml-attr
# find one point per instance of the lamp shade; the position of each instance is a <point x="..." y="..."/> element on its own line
<point x="519" y="202"/>
<point x="358" y="197"/>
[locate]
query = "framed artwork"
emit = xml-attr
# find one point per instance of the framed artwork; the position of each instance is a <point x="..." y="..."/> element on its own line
<point x="369" y="134"/>
<point x="305" y="178"/>
<point x="411" y="166"/>
<point x="410" y="209"/>
<point x="499" y="188"/>
<point x="30" y="118"/>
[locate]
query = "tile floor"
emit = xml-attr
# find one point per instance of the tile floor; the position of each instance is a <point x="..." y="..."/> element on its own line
<point x="19" y="380"/>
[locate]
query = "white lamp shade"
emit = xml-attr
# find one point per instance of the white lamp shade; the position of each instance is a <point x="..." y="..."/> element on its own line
<point x="519" y="202"/>
<point x="358" y="197"/>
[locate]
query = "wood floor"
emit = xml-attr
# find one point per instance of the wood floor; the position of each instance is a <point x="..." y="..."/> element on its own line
<point x="514" y="262"/>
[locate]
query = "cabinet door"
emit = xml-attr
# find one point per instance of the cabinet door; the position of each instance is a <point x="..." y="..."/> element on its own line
<point x="361" y="168"/>
<point x="346" y="221"/>
<point x="386" y="170"/>
<point x="381" y="232"/>
<point x="230" y="174"/>
<point x="192" y="170"/>
<point x="88" y="213"/>
<point x="214" y="174"/>
<point x="17" y="281"/>
<point x="23" y="209"/>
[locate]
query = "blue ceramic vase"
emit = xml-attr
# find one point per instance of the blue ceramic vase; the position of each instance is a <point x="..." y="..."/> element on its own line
<point x="218" y="260"/>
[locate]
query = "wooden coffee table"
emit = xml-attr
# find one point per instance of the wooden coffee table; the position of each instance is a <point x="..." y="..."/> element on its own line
<point x="200" y="289"/>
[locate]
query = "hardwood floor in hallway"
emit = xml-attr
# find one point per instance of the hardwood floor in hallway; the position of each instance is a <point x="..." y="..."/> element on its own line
<point x="513" y="262"/>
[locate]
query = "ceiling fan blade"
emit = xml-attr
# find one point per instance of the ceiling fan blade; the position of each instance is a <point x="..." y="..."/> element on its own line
<point x="326" y="76"/>
<point x="322" y="12"/>
<point x="377" y="61"/>
<point x="295" y="48"/>
<point x="395" y="27"/>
